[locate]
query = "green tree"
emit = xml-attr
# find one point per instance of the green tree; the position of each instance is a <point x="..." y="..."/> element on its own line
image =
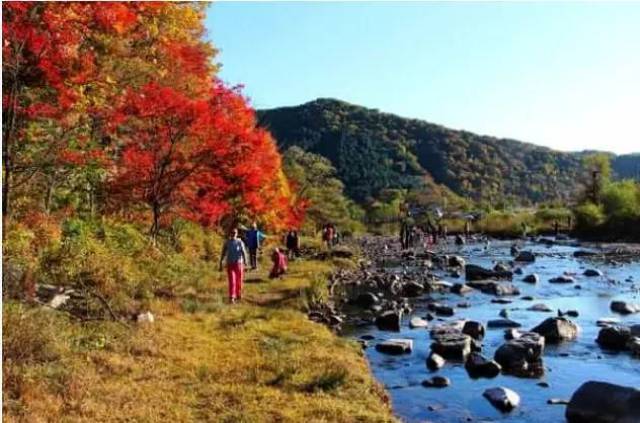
<point x="316" y="181"/>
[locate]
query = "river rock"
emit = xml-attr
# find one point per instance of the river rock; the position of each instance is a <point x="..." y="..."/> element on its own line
<point x="412" y="289"/>
<point x="504" y="313"/>
<point x="522" y="356"/>
<point x="532" y="278"/>
<point x="478" y="366"/>
<point x="474" y="329"/>
<point x="624" y="307"/>
<point x="502" y="323"/>
<point x="634" y="346"/>
<point x="461" y="288"/>
<point x="456" y="261"/>
<point x="475" y="273"/>
<point x="614" y="337"/>
<point x="496" y="288"/>
<point x="441" y="310"/>
<point x="504" y="399"/>
<point x="526" y="256"/>
<point x="436" y="382"/>
<point x="395" y="346"/>
<point x="501" y="267"/>
<point x="435" y="361"/>
<point x="459" y="240"/>
<point x="540" y="307"/>
<point x="367" y="299"/>
<point x="557" y="329"/>
<point x="389" y="320"/>
<point x="607" y="321"/>
<point x="510" y="334"/>
<point x="418" y="322"/>
<point x="452" y="346"/>
<point x="562" y="279"/>
<point x="600" y="402"/>
<point x="592" y="273"/>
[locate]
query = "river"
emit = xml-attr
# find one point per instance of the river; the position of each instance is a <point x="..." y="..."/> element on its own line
<point x="567" y="365"/>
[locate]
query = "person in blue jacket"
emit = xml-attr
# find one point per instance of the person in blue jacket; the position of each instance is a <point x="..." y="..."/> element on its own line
<point x="254" y="239"/>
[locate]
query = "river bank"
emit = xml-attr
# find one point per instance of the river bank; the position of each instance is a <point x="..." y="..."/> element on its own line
<point x="200" y="360"/>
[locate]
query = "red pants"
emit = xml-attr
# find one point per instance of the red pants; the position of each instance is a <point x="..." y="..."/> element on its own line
<point x="235" y="274"/>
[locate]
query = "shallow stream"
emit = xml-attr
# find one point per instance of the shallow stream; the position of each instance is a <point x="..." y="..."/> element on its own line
<point x="567" y="365"/>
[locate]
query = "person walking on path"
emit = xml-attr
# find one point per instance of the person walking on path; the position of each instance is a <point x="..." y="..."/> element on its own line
<point x="292" y="242"/>
<point x="235" y="254"/>
<point x="327" y="235"/>
<point x="254" y="240"/>
<point x="279" y="264"/>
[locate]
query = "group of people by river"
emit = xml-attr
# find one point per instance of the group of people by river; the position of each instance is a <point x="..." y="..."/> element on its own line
<point x="238" y="251"/>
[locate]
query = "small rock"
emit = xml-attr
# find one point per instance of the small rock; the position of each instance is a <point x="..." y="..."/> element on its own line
<point x="389" y="320"/>
<point x="562" y="279"/>
<point x="479" y="366"/>
<point x="540" y="307"/>
<point x="557" y="401"/>
<point x="526" y="256"/>
<point x="452" y="346"/>
<point x="435" y="361"/>
<point x="532" y="278"/>
<point x="502" y="323"/>
<point x="504" y="313"/>
<point x="436" y="382"/>
<point x="592" y="272"/>
<point x="504" y="399"/>
<point x="366" y="299"/>
<point x="418" y="322"/>
<point x="146" y="317"/>
<point x="474" y="329"/>
<point x="624" y="307"/>
<point x="614" y="337"/>
<point x="395" y="346"/>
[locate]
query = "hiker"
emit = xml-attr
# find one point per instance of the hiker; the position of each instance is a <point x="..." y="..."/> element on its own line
<point x="235" y="255"/>
<point x="254" y="238"/>
<point x="467" y="228"/>
<point x="292" y="241"/>
<point x="279" y="264"/>
<point x="327" y="235"/>
<point x="556" y="228"/>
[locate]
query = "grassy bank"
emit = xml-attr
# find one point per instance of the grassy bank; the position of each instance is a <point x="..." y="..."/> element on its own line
<point x="202" y="359"/>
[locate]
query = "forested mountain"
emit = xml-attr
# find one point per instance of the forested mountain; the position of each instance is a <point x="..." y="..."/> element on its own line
<point x="372" y="151"/>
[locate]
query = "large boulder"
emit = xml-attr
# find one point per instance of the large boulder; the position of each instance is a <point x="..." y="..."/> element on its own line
<point x="504" y="399"/>
<point x="600" y="402"/>
<point x="526" y="256"/>
<point x="624" y="307"/>
<point x="557" y="329"/>
<point x="454" y="346"/>
<point x="389" y="320"/>
<point x="475" y="273"/>
<point x="395" y="346"/>
<point x="478" y="366"/>
<point x="522" y="356"/>
<point x="614" y="337"/>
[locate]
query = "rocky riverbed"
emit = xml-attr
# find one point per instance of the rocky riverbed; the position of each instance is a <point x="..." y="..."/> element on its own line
<point x="498" y="330"/>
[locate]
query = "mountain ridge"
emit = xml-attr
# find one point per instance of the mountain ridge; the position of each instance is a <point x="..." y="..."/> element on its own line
<point x="374" y="150"/>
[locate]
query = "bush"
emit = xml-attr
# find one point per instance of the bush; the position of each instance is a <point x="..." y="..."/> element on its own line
<point x="621" y="201"/>
<point x="31" y="335"/>
<point x="588" y="216"/>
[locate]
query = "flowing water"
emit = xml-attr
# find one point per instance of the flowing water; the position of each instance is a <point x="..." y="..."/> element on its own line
<point x="567" y="365"/>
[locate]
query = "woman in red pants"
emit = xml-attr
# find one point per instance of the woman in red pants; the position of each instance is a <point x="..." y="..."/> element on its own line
<point x="234" y="252"/>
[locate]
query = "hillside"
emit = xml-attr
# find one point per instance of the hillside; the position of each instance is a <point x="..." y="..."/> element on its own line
<point x="372" y="151"/>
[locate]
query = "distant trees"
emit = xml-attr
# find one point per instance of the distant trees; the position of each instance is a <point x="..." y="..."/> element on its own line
<point x="316" y="182"/>
<point x="607" y="208"/>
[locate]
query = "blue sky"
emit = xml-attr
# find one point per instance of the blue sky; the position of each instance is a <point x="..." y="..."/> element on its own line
<point x="562" y="75"/>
